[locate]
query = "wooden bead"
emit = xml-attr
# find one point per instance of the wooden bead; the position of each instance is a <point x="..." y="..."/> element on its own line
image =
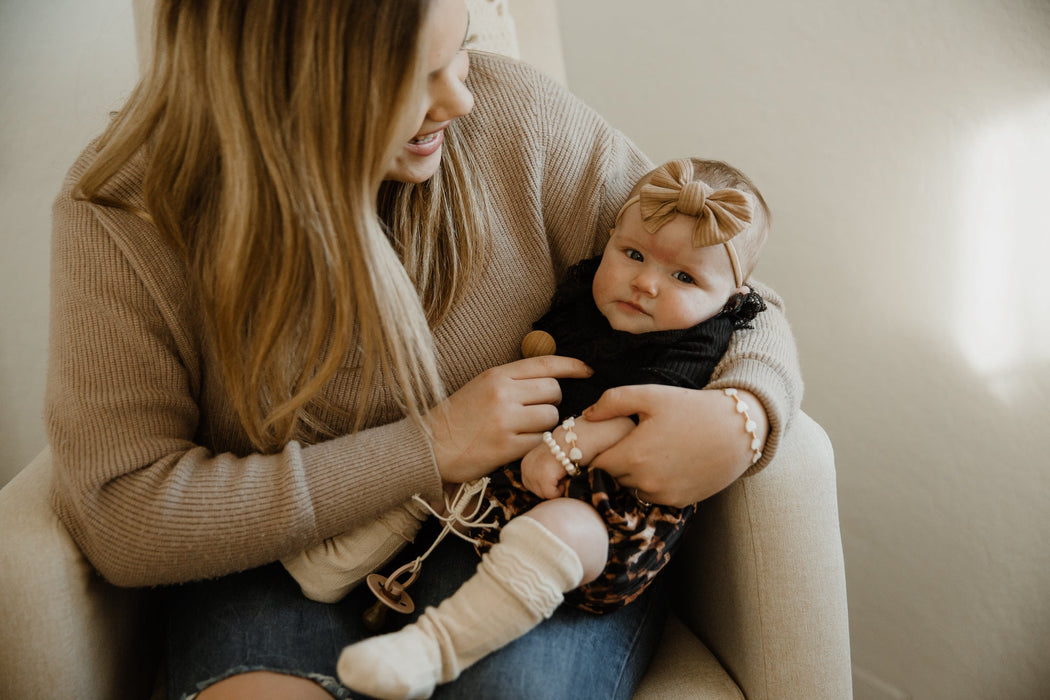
<point x="537" y="343"/>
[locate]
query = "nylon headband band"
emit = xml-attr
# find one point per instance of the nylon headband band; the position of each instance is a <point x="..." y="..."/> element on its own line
<point x="735" y="262"/>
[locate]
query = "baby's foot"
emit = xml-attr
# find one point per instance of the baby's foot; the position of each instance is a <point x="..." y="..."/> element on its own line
<point x="518" y="584"/>
<point x="401" y="665"/>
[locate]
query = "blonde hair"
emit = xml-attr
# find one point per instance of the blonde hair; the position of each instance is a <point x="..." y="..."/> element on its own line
<point x="269" y="126"/>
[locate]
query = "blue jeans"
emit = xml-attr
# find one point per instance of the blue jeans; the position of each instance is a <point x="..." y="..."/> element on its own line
<point x="259" y="620"/>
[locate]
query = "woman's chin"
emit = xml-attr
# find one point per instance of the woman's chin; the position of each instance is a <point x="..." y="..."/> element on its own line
<point x="409" y="167"/>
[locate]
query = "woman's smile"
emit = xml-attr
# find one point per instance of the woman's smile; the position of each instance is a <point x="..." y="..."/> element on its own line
<point x="427" y="144"/>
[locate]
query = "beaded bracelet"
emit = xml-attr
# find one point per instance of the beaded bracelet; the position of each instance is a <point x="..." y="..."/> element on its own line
<point x="575" y="453"/>
<point x="571" y="462"/>
<point x="749" y="425"/>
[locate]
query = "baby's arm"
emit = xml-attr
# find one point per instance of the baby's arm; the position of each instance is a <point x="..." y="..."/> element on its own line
<point x="545" y="476"/>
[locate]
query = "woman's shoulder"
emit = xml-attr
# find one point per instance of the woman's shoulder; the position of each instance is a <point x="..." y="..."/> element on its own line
<point x="66" y="199"/>
<point x="519" y="96"/>
<point x="516" y="103"/>
<point x="89" y="236"/>
<point x="494" y="75"/>
<point x="124" y="186"/>
<point x="508" y="97"/>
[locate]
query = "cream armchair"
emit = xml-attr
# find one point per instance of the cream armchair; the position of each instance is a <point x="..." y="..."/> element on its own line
<point x="760" y="602"/>
<point x="761" y="597"/>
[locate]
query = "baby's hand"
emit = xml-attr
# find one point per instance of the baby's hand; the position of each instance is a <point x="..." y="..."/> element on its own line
<point x="542" y="473"/>
<point x="546" y="477"/>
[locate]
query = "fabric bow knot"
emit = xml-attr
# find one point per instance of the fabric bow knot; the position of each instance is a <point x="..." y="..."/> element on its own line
<point x="720" y="214"/>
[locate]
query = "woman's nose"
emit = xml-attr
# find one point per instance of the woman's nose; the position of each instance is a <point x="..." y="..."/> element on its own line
<point x="450" y="97"/>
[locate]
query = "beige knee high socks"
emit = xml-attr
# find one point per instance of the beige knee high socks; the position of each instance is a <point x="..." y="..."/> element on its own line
<point x="329" y="571"/>
<point x="519" y="583"/>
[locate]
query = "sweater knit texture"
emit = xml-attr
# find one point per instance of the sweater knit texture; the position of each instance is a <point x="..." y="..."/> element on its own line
<point x="154" y="477"/>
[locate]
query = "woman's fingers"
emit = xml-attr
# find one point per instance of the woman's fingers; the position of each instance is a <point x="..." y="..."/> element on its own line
<point x="688" y="445"/>
<point x="628" y="400"/>
<point x="499" y="415"/>
<point x="547" y="366"/>
<point x="541" y="390"/>
<point x="532" y="421"/>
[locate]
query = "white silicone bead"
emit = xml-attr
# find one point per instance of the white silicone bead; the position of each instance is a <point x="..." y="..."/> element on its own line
<point x="749" y="425"/>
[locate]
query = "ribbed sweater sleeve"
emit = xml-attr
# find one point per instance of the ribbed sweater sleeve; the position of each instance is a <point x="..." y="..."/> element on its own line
<point x="764" y="361"/>
<point x="145" y="502"/>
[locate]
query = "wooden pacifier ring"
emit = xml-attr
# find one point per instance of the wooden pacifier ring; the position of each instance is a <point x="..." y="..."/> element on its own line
<point x="537" y="343"/>
<point x="392" y="596"/>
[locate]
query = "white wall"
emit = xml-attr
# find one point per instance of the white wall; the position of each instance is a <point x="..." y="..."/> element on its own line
<point x="904" y="147"/>
<point x="64" y="64"/>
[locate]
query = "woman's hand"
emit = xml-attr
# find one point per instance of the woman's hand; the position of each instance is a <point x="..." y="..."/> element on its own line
<point x="688" y="445"/>
<point x="546" y="477"/>
<point x="499" y="415"/>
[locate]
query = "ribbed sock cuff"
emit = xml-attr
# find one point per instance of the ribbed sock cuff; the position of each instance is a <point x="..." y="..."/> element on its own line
<point x="534" y="564"/>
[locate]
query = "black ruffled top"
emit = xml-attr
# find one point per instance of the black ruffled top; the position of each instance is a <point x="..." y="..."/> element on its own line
<point x="684" y="358"/>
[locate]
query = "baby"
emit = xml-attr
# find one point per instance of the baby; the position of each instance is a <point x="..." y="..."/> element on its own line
<point x="658" y="306"/>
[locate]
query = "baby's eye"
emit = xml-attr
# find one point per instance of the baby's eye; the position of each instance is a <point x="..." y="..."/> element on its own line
<point x="683" y="277"/>
<point x="634" y="254"/>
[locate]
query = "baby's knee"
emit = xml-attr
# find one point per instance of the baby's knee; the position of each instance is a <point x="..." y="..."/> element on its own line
<point x="578" y="525"/>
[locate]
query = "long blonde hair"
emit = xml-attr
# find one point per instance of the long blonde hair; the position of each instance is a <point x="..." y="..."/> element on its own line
<point x="268" y="127"/>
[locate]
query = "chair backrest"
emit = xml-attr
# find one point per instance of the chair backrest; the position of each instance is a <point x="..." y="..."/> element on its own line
<point x="525" y="29"/>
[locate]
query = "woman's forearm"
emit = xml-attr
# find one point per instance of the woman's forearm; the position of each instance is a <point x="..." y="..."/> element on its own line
<point x="764" y="362"/>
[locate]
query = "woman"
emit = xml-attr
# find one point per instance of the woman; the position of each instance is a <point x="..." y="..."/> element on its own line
<point x="289" y="285"/>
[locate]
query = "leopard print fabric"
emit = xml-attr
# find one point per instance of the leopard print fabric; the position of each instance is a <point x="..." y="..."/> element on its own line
<point x="641" y="539"/>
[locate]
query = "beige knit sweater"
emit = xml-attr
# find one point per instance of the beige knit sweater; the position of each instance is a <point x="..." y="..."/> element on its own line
<point x="155" y="479"/>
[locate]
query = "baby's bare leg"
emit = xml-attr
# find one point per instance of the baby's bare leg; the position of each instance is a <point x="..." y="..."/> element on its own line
<point x="579" y="526"/>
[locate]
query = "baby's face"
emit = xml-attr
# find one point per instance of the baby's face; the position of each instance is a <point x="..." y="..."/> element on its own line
<point x="659" y="281"/>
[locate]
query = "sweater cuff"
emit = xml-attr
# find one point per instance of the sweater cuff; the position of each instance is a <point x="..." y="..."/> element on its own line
<point x="772" y="391"/>
<point x="356" y="478"/>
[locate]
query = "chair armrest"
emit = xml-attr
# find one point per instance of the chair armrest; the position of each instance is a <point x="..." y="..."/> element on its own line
<point x="762" y="581"/>
<point x="65" y="630"/>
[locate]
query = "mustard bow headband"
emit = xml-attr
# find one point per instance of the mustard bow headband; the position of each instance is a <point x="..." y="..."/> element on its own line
<point x="720" y="214"/>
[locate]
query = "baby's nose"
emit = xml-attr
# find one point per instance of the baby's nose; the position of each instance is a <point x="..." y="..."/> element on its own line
<point x="645" y="282"/>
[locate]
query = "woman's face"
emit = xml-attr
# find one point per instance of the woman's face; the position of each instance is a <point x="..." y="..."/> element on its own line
<point x="444" y="96"/>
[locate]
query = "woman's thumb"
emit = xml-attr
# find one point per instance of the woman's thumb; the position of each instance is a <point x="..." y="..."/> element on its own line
<point x="619" y="401"/>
